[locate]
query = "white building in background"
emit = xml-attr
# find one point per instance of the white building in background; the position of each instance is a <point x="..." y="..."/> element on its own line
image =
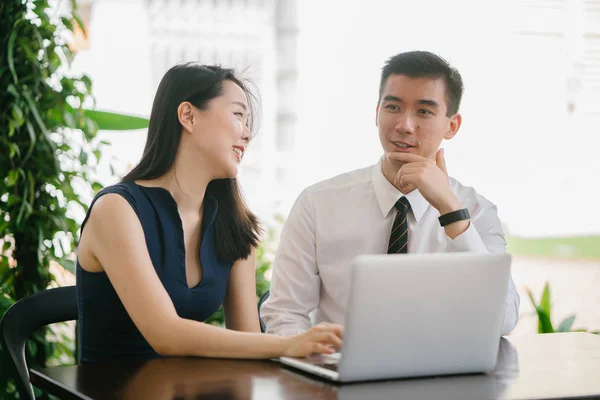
<point x="562" y="38"/>
<point x="555" y="47"/>
<point x="132" y="43"/>
<point x="531" y="104"/>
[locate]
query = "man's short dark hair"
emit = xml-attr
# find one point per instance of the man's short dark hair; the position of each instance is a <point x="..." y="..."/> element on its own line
<point x="424" y="64"/>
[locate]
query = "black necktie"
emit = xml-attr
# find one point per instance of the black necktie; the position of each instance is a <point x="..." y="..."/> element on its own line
<point x="399" y="236"/>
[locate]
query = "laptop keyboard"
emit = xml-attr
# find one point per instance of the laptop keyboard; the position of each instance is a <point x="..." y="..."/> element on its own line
<point x="327" y="361"/>
<point x="329" y="366"/>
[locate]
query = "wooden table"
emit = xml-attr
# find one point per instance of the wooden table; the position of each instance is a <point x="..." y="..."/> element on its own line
<point x="564" y="365"/>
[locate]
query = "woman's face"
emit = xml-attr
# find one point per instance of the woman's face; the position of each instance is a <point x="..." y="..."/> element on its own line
<point x="219" y="133"/>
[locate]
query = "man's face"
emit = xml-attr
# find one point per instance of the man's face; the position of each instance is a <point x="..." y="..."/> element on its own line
<point x="411" y="116"/>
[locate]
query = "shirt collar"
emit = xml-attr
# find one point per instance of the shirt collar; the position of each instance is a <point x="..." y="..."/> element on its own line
<point x="387" y="195"/>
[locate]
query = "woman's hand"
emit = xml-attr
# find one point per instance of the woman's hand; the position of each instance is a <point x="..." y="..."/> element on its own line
<point x="323" y="338"/>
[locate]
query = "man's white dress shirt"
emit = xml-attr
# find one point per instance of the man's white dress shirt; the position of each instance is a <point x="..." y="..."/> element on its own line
<point x="351" y="214"/>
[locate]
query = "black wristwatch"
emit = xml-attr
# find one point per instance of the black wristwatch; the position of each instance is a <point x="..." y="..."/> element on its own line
<point x="454" y="216"/>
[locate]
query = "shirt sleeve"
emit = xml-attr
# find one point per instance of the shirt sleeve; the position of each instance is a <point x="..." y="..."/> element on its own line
<point x="295" y="281"/>
<point x="485" y="234"/>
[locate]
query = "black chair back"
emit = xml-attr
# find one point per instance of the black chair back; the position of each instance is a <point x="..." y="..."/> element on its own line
<point x="27" y="315"/>
<point x="264" y="297"/>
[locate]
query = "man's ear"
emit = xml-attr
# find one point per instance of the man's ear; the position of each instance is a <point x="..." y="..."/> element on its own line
<point x="185" y="114"/>
<point x="377" y="115"/>
<point x="453" y="126"/>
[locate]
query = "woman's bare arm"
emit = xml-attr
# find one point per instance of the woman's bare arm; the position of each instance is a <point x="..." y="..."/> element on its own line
<point x="116" y="239"/>
<point x="240" y="306"/>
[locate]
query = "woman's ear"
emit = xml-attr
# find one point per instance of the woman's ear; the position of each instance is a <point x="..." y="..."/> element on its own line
<point x="185" y="114"/>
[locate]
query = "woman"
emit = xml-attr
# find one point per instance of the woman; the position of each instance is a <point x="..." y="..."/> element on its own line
<point x="162" y="250"/>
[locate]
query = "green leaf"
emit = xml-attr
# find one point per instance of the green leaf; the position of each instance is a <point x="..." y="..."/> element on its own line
<point x="69" y="55"/>
<point x="69" y="120"/>
<point x="83" y="157"/>
<point x="80" y="23"/>
<point x="6" y="246"/>
<point x="54" y="61"/>
<point x="40" y="235"/>
<point x="97" y="186"/>
<point x="116" y="122"/>
<point x="38" y="119"/>
<point x="13" y="177"/>
<point x="90" y="128"/>
<point x="39" y="10"/>
<point x="10" y="53"/>
<point x="31" y="181"/>
<point x="14" y="150"/>
<point x="13" y="90"/>
<point x="24" y="205"/>
<point x="97" y="154"/>
<point x="545" y="325"/>
<point x="12" y="199"/>
<point x="32" y="141"/>
<point x="11" y="129"/>
<point x="545" y="302"/>
<point x="42" y="126"/>
<point x="86" y="79"/>
<point x="17" y="115"/>
<point x="67" y="23"/>
<point x="566" y="324"/>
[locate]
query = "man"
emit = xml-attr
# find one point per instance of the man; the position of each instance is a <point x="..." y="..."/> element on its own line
<point x="406" y="203"/>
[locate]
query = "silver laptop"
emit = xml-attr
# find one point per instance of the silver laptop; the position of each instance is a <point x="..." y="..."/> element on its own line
<point x="418" y="315"/>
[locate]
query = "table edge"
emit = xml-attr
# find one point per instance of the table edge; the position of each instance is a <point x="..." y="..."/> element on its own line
<point x="56" y="388"/>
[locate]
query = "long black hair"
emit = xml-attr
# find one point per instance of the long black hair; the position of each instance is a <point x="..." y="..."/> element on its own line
<point x="237" y="229"/>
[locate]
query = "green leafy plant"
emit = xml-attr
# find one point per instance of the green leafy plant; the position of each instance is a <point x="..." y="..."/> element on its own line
<point x="48" y="147"/>
<point x="543" y="311"/>
<point x="116" y="122"/>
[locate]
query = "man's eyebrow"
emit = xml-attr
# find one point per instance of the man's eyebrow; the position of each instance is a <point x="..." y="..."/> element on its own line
<point x="392" y="98"/>
<point x="431" y="103"/>
<point x="428" y="102"/>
